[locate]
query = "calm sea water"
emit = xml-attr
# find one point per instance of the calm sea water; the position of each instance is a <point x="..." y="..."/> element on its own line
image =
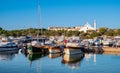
<point x="13" y="62"/>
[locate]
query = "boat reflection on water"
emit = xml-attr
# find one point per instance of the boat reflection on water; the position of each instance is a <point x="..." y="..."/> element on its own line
<point x="72" y="60"/>
<point x="8" y="55"/>
<point x="56" y="55"/>
<point x="33" y="57"/>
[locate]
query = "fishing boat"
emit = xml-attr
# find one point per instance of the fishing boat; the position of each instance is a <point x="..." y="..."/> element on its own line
<point x="37" y="46"/>
<point x="38" y="42"/>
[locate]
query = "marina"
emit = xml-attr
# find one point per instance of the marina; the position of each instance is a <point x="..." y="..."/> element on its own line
<point x="59" y="36"/>
<point x="57" y="57"/>
<point x="71" y="45"/>
<point x="51" y="63"/>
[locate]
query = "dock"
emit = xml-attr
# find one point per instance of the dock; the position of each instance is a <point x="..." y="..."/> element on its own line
<point x="102" y="49"/>
<point x="112" y="53"/>
<point x="111" y="49"/>
<point x="93" y="49"/>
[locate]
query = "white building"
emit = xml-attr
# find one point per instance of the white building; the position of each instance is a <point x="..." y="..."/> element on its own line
<point x="87" y="27"/>
<point x="84" y="28"/>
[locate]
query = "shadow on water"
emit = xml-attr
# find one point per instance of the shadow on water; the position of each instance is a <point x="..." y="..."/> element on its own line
<point x="8" y="55"/>
<point x="72" y="61"/>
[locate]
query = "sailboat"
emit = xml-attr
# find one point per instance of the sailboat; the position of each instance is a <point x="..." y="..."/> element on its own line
<point x="37" y="43"/>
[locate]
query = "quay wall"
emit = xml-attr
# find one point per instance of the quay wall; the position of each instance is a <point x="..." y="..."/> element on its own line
<point x="111" y="49"/>
<point x="102" y="49"/>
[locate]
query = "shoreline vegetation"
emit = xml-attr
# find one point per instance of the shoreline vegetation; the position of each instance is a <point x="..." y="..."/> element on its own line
<point x="45" y="32"/>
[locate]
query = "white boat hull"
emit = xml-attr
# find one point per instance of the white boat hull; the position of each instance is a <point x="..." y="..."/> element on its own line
<point x="74" y="45"/>
<point x="72" y="51"/>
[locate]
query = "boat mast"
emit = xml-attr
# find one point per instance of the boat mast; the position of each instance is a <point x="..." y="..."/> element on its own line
<point x="39" y="19"/>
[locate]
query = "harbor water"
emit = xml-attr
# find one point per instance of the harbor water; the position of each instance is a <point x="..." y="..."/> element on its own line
<point x="14" y="62"/>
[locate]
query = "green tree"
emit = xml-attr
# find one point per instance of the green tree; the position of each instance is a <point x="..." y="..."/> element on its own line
<point x="110" y="32"/>
<point x="102" y="30"/>
<point x="118" y="31"/>
<point x="1" y="29"/>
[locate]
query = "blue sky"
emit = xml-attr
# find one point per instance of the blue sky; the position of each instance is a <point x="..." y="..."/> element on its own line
<point x="20" y="14"/>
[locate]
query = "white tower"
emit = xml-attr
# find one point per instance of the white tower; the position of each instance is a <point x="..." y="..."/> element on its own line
<point x="95" y="24"/>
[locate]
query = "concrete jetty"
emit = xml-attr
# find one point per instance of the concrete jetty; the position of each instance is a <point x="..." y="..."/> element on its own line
<point x="111" y="49"/>
<point x="94" y="49"/>
<point x="102" y="49"/>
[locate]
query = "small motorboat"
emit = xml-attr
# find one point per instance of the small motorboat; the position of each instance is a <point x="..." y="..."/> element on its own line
<point x="8" y="46"/>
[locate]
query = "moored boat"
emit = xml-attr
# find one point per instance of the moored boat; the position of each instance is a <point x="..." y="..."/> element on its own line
<point x="36" y="46"/>
<point x="8" y="46"/>
<point x="108" y="42"/>
<point x="33" y="49"/>
<point x="74" y="42"/>
<point x="72" y="51"/>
